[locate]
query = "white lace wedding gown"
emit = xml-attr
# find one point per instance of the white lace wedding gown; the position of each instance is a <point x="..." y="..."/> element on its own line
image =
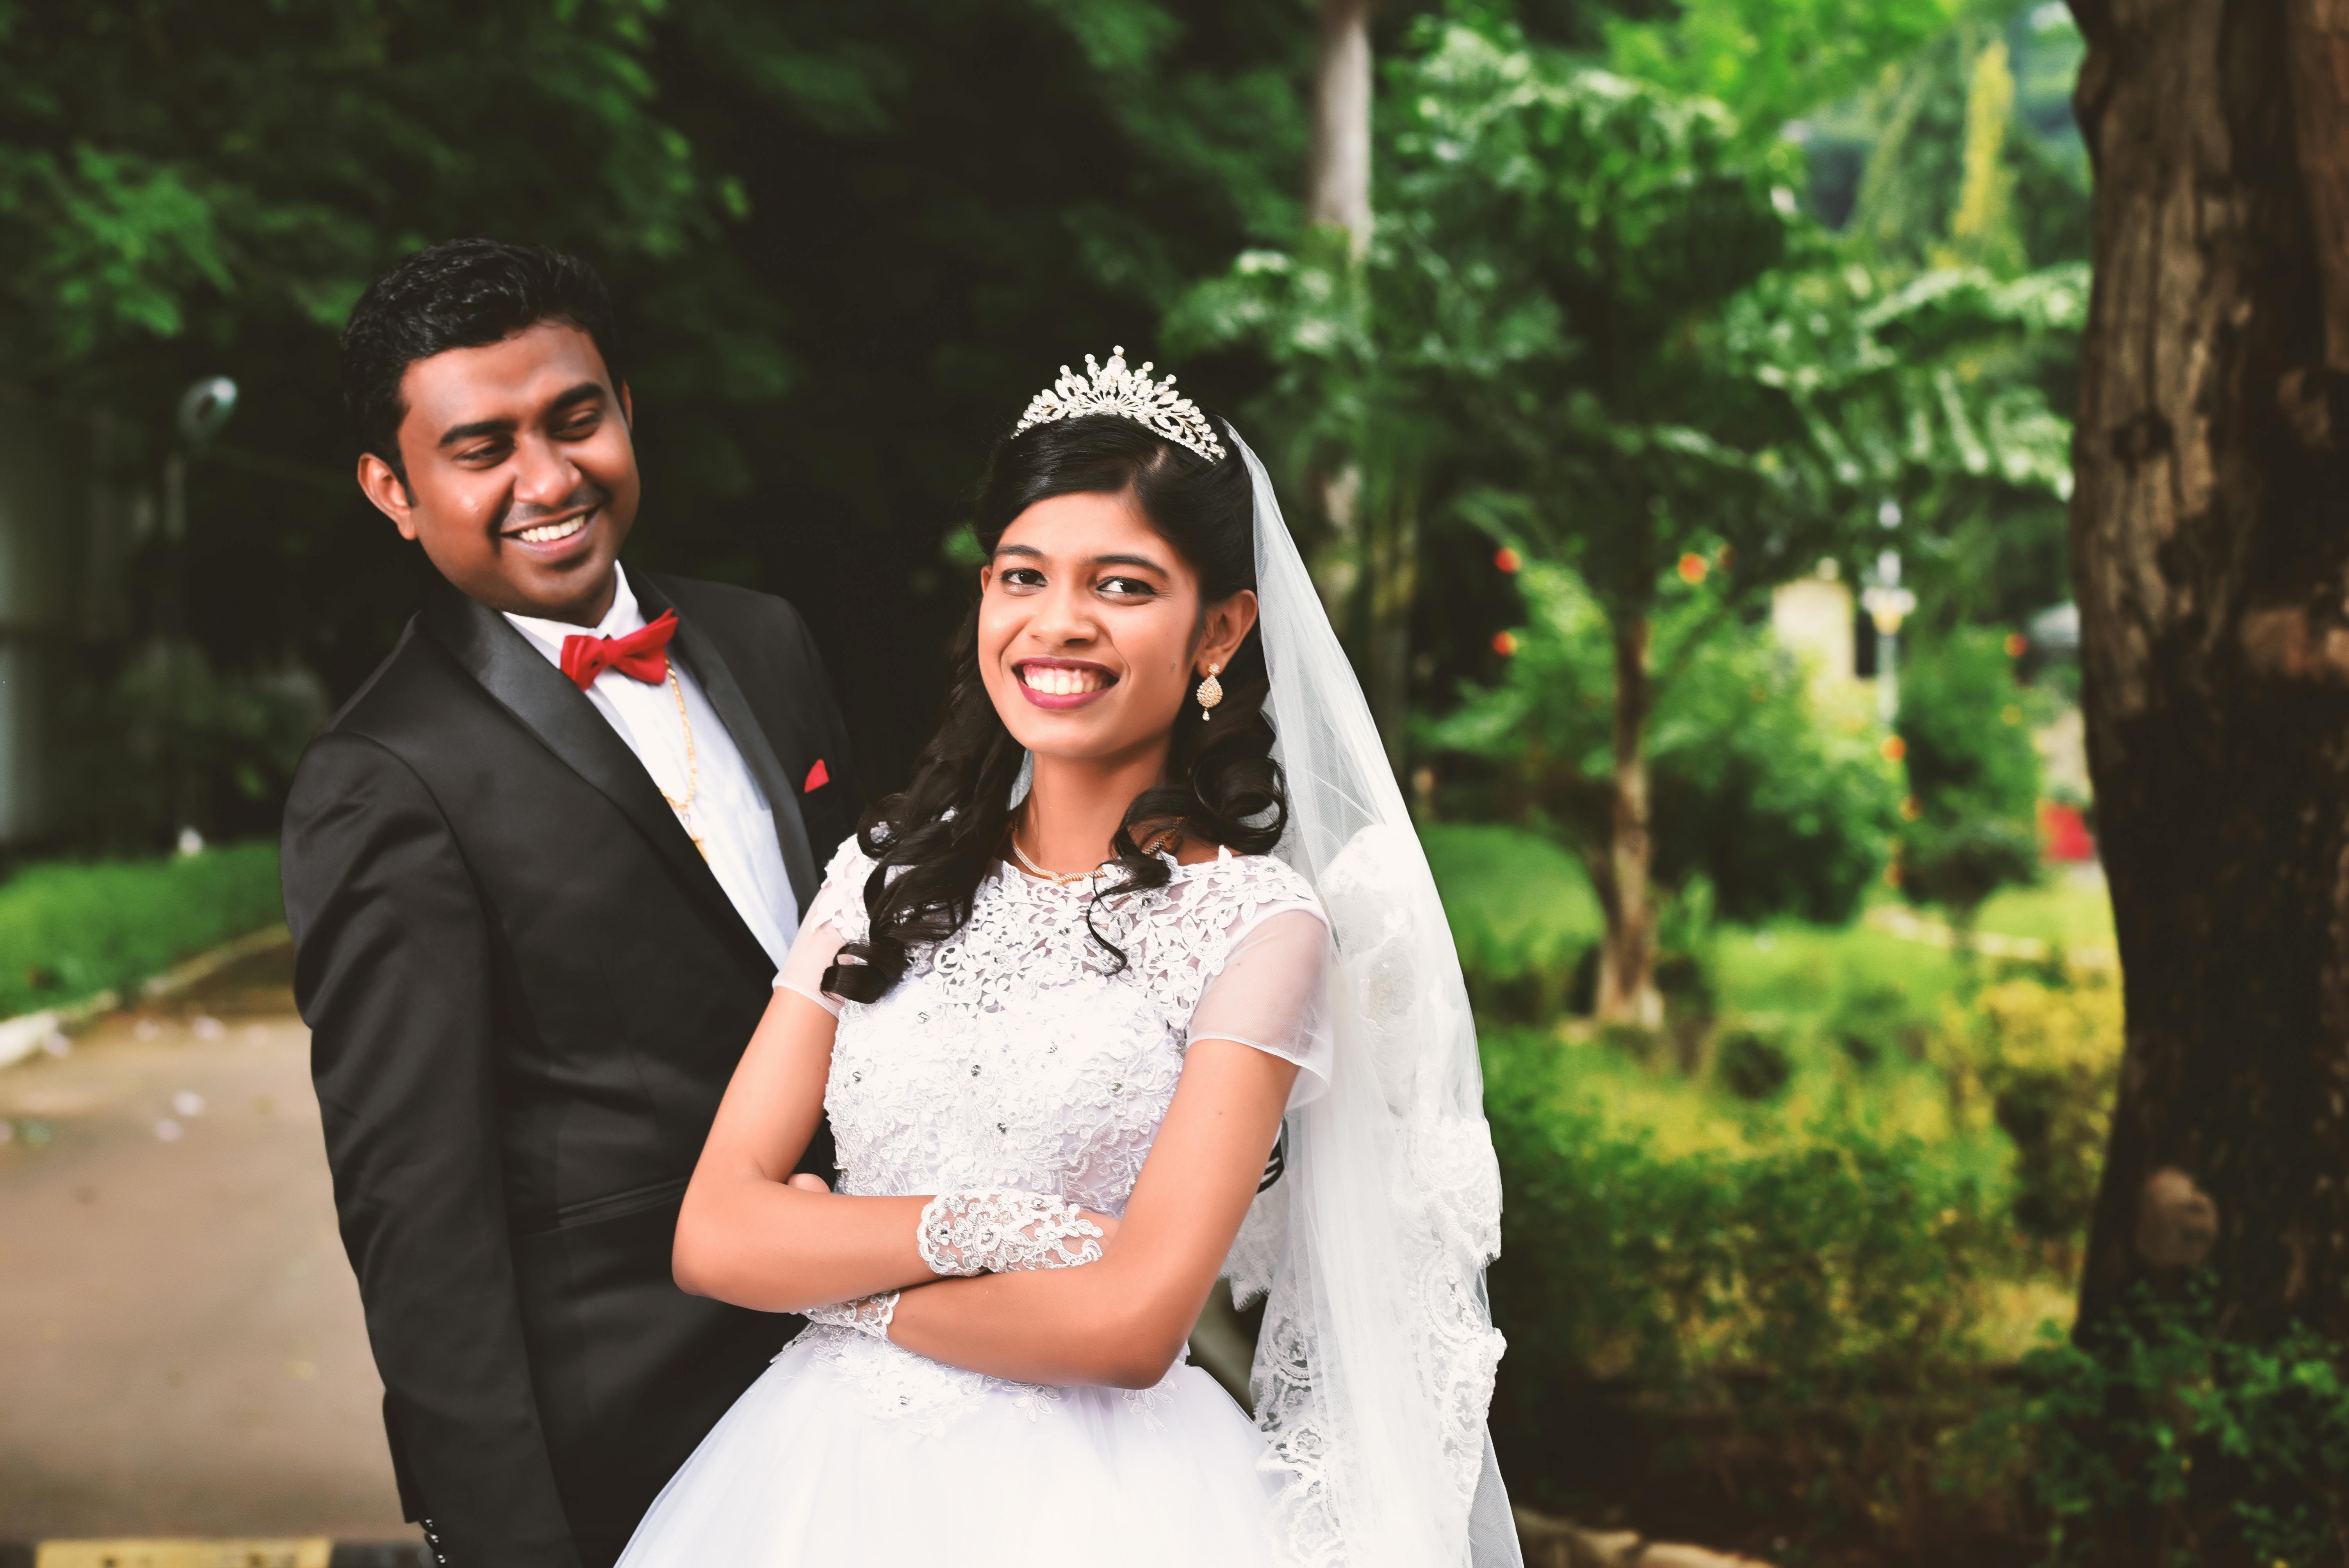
<point x="1014" y="1055"/>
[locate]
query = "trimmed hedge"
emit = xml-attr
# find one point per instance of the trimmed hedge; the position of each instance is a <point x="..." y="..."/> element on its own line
<point x="1521" y="912"/>
<point x="70" y="929"/>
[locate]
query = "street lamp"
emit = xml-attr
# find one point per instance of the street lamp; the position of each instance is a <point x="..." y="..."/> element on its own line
<point x="203" y="408"/>
<point x="1888" y="604"/>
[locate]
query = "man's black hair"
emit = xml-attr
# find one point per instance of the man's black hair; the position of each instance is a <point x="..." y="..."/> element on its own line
<point x="460" y="294"/>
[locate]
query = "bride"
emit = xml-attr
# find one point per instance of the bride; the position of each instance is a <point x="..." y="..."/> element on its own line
<point x="1142" y="982"/>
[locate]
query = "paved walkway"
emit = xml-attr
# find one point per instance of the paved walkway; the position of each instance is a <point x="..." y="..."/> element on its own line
<point x="180" y="1345"/>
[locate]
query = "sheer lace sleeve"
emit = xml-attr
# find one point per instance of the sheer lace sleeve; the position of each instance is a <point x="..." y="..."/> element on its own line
<point x="835" y="917"/>
<point x="1268" y="994"/>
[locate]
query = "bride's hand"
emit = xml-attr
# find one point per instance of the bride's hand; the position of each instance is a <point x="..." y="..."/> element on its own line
<point x="808" y="1181"/>
<point x="1108" y="1223"/>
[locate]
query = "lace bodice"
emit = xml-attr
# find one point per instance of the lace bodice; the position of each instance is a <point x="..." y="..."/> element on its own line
<point x="1015" y="1054"/>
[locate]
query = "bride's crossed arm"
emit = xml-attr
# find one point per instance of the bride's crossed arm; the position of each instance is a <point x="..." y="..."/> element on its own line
<point x="745" y="1236"/>
<point x="1123" y="1320"/>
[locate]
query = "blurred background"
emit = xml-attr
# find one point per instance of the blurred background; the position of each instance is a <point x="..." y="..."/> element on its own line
<point x="1673" y="397"/>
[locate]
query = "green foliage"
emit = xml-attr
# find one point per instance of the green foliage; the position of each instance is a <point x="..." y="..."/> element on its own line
<point x="1873" y="1018"/>
<point x="1812" y="1287"/>
<point x="2168" y="1443"/>
<point x="1974" y="774"/>
<point x="1779" y="806"/>
<point x="804" y="210"/>
<point x="2048" y="1058"/>
<point x="1793" y="969"/>
<point x="1530" y="321"/>
<point x="71" y="929"/>
<point x="1607" y="224"/>
<point x="1682" y="360"/>
<point x="207" y="164"/>
<point x="1923" y="394"/>
<point x="1962" y="163"/>
<point x="1751" y="1065"/>
<point x="1974" y="188"/>
<point x="1982" y="229"/>
<point x="1814" y="1252"/>
<point x="1520" y="911"/>
<point x="1361" y="350"/>
<point x="1770" y="61"/>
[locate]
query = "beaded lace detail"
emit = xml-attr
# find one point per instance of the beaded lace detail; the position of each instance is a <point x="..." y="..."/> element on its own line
<point x="999" y="1233"/>
<point x="1014" y="1056"/>
<point x="866" y="1315"/>
<point x="1016" y="1062"/>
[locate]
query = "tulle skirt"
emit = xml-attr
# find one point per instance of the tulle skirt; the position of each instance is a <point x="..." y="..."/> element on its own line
<point x="850" y="1449"/>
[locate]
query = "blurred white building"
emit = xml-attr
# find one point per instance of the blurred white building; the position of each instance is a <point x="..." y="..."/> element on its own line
<point x="1815" y="617"/>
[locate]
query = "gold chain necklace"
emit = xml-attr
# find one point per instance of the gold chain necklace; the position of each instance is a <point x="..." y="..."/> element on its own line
<point x="684" y="808"/>
<point x="1158" y="843"/>
<point x="1057" y="878"/>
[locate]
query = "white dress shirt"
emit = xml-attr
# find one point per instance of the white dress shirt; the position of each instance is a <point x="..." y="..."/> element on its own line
<point x="729" y="812"/>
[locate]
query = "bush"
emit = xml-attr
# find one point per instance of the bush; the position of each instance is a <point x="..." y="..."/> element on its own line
<point x="70" y="929"/>
<point x="1751" y="1065"/>
<point x="2047" y="1058"/>
<point x="1821" y="1284"/>
<point x="2168" y="1445"/>
<point x="1866" y="1020"/>
<point x="1521" y="912"/>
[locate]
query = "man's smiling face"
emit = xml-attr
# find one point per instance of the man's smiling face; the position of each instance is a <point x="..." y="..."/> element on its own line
<point x="522" y="479"/>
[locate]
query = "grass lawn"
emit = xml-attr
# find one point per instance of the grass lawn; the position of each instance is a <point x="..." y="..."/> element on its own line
<point x="71" y="929"/>
<point x="1793" y="972"/>
<point x="2070" y="908"/>
<point x="1517" y="901"/>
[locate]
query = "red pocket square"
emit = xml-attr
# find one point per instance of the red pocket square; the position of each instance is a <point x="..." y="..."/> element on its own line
<point x="816" y="779"/>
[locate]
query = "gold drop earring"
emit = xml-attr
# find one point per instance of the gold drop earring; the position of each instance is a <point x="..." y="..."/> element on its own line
<point x="1211" y="692"/>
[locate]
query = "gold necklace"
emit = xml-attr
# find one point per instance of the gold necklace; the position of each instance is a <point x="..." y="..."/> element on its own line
<point x="1063" y="879"/>
<point x="684" y="808"/>
<point x="1057" y="878"/>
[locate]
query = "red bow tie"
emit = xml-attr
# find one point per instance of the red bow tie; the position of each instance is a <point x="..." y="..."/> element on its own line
<point x="641" y="654"/>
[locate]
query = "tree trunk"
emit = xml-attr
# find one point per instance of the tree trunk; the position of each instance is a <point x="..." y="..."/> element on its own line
<point x="1369" y="502"/>
<point x="2320" y="90"/>
<point x="2211" y="564"/>
<point x="1627" y="956"/>
<point x="1338" y="180"/>
<point x="1338" y="194"/>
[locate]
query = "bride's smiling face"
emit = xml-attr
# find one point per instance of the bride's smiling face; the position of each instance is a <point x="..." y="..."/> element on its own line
<point x="1092" y="632"/>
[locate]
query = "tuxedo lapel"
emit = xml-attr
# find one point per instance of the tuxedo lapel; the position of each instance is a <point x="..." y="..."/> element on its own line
<point x="718" y="684"/>
<point x="522" y="680"/>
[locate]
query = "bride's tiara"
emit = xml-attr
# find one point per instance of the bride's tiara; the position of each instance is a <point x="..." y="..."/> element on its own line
<point x="1112" y="389"/>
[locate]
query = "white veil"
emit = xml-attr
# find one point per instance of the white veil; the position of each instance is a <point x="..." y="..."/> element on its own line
<point x="1374" y="1368"/>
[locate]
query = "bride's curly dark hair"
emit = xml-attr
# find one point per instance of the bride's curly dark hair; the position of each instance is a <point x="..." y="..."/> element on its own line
<point x="933" y="843"/>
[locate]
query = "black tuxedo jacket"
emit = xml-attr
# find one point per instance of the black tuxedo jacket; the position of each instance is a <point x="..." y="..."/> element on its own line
<point x="526" y="994"/>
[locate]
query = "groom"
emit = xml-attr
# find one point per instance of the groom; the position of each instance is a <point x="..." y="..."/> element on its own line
<point x="541" y="871"/>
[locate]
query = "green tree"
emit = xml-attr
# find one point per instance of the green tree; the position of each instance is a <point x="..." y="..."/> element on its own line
<point x="1780" y="807"/>
<point x="1926" y="404"/>
<point x="1368" y="355"/>
<point x="1768" y="61"/>
<point x="190" y="171"/>
<point x="1593" y="323"/>
<point x="1970" y="153"/>
<point x="849" y="241"/>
